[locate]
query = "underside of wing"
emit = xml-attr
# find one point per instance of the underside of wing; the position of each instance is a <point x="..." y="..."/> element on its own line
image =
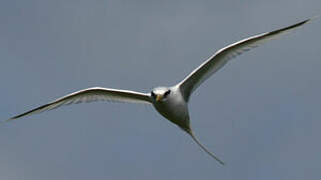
<point x="221" y="57"/>
<point x="90" y="95"/>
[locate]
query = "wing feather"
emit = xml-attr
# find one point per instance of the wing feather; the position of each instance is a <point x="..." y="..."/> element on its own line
<point x="91" y="95"/>
<point x="221" y="57"/>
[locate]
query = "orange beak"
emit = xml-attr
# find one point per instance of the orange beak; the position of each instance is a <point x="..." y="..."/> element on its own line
<point x="159" y="97"/>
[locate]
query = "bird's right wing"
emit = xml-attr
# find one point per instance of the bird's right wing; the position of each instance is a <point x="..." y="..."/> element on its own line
<point x="221" y="57"/>
<point x="90" y="95"/>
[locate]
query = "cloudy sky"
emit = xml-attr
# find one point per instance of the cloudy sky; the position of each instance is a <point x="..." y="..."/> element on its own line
<point x="260" y="113"/>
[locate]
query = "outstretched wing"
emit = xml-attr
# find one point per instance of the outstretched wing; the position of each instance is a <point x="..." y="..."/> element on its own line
<point x="90" y="95"/>
<point x="221" y="57"/>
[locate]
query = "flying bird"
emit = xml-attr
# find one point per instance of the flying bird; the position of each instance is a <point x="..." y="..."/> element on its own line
<point x="171" y="102"/>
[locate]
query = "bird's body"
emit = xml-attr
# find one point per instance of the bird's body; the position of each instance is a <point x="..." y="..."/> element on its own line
<point x="173" y="107"/>
<point x="170" y="102"/>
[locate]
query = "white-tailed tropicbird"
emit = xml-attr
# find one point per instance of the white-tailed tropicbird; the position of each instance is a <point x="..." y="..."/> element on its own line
<point x="171" y="102"/>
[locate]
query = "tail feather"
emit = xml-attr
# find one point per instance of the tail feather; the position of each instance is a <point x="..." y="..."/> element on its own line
<point x="190" y="132"/>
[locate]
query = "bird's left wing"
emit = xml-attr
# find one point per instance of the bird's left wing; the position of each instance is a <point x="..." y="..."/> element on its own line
<point x="221" y="57"/>
<point x="90" y="95"/>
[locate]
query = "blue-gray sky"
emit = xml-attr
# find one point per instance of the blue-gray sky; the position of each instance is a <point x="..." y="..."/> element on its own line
<point x="260" y="113"/>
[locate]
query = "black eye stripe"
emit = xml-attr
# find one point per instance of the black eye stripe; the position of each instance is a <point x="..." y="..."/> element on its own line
<point x="167" y="93"/>
<point x="153" y="94"/>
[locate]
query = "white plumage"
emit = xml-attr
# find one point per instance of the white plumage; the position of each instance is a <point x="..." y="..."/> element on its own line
<point x="171" y="102"/>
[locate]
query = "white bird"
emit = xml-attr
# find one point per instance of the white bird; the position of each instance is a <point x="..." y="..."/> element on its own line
<point x="171" y="102"/>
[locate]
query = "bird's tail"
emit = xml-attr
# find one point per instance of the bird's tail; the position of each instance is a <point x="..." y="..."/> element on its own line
<point x="190" y="132"/>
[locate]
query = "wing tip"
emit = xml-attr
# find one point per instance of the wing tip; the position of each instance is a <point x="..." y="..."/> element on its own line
<point x="11" y="119"/>
<point x="306" y="21"/>
<point x="314" y="17"/>
<point x="6" y="121"/>
<point x="292" y="27"/>
<point x="295" y="25"/>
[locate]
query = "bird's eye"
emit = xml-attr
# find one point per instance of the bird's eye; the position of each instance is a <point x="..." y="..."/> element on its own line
<point x="153" y="94"/>
<point x="167" y="93"/>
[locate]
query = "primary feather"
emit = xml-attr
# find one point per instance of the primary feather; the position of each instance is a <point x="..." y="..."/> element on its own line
<point x="222" y="56"/>
<point x="90" y="95"/>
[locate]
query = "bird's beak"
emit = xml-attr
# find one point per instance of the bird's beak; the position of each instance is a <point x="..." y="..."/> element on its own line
<point x="159" y="97"/>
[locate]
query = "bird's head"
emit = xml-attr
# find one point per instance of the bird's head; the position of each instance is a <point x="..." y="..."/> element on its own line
<point x="160" y="94"/>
